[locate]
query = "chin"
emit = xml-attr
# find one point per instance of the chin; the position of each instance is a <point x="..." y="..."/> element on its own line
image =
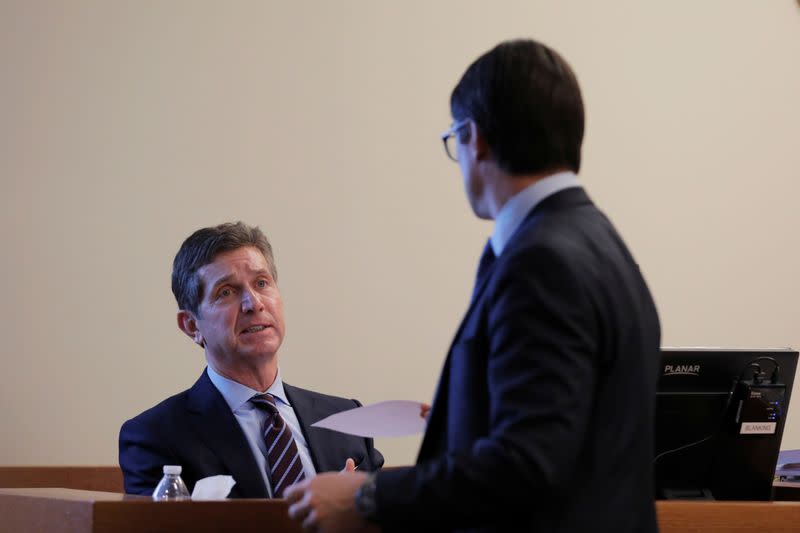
<point x="481" y="213"/>
<point x="265" y="352"/>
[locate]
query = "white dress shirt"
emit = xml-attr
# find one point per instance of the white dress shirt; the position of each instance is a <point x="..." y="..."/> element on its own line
<point x="251" y="419"/>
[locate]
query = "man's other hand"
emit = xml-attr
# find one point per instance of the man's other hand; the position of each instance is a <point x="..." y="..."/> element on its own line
<point x="326" y="503"/>
<point x="424" y="411"/>
<point x="349" y="465"/>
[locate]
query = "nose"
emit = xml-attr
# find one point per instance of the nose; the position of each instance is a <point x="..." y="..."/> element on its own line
<point x="251" y="302"/>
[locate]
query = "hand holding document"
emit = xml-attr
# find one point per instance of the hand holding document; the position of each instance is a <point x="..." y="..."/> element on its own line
<point x="424" y="411"/>
<point x="392" y="418"/>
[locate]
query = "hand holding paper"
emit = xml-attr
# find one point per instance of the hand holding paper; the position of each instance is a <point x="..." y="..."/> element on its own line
<point x="424" y="411"/>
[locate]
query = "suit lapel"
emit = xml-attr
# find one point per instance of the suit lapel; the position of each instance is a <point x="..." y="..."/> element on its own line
<point x="217" y="427"/>
<point x="303" y="405"/>
<point x="432" y="442"/>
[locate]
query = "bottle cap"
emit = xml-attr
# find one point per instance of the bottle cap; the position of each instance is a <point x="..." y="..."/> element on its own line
<point x="172" y="469"/>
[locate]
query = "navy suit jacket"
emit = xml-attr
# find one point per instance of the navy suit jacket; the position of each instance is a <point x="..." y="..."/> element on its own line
<point x="543" y="416"/>
<point x="197" y="430"/>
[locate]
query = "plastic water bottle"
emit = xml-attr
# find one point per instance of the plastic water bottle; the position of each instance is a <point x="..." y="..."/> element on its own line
<point x="171" y="486"/>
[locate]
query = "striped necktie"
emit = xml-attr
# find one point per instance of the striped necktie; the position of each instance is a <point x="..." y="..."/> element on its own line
<point x="283" y="461"/>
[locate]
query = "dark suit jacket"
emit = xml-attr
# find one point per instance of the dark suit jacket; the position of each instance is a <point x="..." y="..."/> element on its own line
<point x="197" y="430"/>
<point x="543" y="417"/>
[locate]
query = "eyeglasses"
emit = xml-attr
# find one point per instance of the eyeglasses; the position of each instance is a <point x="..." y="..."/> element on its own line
<point x="449" y="138"/>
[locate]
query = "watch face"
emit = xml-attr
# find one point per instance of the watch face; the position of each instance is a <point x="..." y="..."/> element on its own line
<point x="365" y="499"/>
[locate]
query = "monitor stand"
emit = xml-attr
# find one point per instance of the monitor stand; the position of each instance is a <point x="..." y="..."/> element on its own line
<point x="687" y="494"/>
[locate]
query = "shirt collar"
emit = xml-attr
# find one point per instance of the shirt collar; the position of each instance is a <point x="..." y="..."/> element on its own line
<point x="518" y="206"/>
<point x="237" y="396"/>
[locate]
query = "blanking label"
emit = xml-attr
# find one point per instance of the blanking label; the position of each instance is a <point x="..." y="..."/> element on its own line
<point x="758" y="428"/>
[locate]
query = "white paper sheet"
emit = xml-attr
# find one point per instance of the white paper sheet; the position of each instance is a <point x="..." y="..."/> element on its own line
<point x="392" y="418"/>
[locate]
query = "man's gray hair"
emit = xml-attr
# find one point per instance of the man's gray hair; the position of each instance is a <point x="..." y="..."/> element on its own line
<point x="200" y="249"/>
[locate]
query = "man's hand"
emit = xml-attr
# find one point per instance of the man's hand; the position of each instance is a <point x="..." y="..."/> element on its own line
<point x="349" y="465"/>
<point x="424" y="411"/>
<point x="326" y="503"/>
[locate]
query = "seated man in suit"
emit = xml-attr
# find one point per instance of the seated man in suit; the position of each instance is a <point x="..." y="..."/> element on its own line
<point x="239" y="418"/>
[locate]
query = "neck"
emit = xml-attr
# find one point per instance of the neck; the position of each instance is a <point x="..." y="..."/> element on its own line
<point x="501" y="187"/>
<point x="259" y="378"/>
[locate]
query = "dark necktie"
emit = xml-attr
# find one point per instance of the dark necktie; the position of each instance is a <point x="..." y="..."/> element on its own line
<point x="487" y="259"/>
<point x="283" y="461"/>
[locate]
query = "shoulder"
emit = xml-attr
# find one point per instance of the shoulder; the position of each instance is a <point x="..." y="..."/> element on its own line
<point x="561" y="229"/>
<point x="164" y="414"/>
<point x="550" y="263"/>
<point x="319" y="398"/>
<point x="545" y="255"/>
<point x="573" y="242"/>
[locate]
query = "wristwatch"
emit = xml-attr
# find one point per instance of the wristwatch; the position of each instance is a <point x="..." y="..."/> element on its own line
<point x="365" y="499"/>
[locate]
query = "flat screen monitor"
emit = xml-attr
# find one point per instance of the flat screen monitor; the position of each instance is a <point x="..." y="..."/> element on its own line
<point x="720" y="415"/>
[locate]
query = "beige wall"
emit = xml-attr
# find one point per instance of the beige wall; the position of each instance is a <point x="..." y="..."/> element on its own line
<point x="126" y="125"/>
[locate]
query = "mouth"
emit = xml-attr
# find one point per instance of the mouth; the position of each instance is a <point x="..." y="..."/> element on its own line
<point x="255" y="329"/>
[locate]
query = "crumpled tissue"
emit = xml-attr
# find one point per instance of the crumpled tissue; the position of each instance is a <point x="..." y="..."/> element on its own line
<point x="213" y="488"/>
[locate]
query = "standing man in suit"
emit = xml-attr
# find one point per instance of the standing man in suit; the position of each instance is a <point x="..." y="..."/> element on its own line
<point x="543" y="417"/>
<point x="239" y="418"/>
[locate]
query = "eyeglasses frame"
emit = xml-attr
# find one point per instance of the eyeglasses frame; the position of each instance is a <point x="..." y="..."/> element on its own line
<point x="451" y="132"/>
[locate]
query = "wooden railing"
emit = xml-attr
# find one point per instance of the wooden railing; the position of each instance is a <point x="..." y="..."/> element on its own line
<point x="54" y="509"/>
<point x="99" y="478"/>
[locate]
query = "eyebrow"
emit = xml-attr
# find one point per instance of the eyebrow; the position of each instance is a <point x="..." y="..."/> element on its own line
<point x="225" y="279"/>
<point x="221" y="281"/>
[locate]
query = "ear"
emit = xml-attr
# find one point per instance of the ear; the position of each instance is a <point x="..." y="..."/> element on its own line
<point x="187" y="323"/>
<point x="478" y="147"/>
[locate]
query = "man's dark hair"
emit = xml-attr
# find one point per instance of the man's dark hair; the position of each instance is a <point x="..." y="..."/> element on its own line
<point x="525" y="100"/>
<point x="200" y="249"/>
